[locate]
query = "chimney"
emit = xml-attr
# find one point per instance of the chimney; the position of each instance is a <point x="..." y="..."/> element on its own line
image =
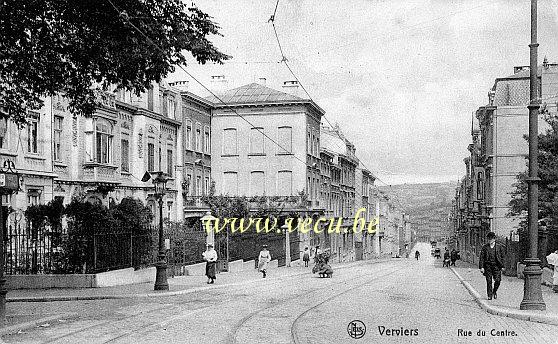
<point x="518" y="69"/>
<point x="219" y="83"/>
<point x="491" y="95"/>
<point x="291" y="87"/>
<point x="262" y="81"/>
<point x="181" y="85"/>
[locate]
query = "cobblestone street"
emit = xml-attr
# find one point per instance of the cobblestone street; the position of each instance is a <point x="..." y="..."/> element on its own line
<point x="399" y="294"/>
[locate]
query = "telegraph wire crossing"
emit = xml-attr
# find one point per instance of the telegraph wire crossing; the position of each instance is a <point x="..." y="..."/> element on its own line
<point x="126" y="18"/>
<point x="199" y="82"/>
<point x="285" y="61"/>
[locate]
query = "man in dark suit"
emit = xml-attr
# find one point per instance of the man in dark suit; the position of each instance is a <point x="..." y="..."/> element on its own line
<point x="491" y="264"/>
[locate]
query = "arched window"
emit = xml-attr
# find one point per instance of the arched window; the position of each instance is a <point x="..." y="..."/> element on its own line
<point x="103" y="141"/>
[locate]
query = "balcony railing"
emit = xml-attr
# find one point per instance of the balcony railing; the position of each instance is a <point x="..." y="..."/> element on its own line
<point x="99" y="173"/>
<point x="194" y="202"/>
<point x="105" y="99"/>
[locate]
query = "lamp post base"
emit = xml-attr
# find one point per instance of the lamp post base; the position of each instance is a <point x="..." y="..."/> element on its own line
<point x="532" y="293"/>
<point x="161" y="282"/>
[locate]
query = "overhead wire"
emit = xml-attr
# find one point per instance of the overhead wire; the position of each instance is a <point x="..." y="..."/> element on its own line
<point x="126" y="18"/>
<point x="284" y="60"/>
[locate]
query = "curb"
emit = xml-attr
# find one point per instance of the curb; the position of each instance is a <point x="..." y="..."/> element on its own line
<point x="34" y="323"/>
<point x="164" y="293"/>
<point x="506" y="312"/>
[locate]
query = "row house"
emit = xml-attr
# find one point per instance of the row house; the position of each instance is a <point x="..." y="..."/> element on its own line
<point x="497" y="155"/>
<point x="472" y="218"/>
<point x="266" y="142"/>
<point x="340" y="158"/>
<point x="102" y="157"/>
<point x="391" y="221"/>
<point x="366" y="245"/>
<point x="196" y="124"/>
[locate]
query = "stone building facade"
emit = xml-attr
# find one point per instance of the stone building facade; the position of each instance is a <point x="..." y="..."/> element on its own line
<point x="102" y="157"/>
<point x="498" y="154"/>
<point x="196" y="124"/>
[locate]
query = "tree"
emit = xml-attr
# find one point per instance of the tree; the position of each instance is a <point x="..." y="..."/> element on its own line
<point x="548" y="173"/>
<point x="67" y="46"/>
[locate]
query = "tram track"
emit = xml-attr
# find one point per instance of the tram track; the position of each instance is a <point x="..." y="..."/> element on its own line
<point x="233" y="337"/>
<point x="230" y="339"/>
<point x="110" y="330"/>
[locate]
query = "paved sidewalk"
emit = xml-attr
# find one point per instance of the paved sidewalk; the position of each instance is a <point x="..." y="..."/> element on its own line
<point x="510" y="295"/>
<point x="177" y="285"/>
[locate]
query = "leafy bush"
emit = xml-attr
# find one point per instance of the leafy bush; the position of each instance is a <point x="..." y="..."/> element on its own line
<point x="97" y="238"/>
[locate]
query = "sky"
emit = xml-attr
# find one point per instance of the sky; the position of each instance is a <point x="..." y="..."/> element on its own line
<point x="401" y="78"/>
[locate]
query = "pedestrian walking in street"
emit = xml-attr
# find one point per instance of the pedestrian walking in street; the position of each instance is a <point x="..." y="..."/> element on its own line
<point x="553" y="260"/>
<point x="446" y="258"/>
<point x="417" y="255"/>
<point x="210" y="256"/>
<point x="453" y="256"/>
<point x="263" y="259"/>
<point x="306" y="257"/>
<point x="491" y="264"/>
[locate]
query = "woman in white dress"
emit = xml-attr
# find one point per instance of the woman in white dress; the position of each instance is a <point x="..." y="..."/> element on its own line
<point x="553" y="259"/>
<point x="210" y="256"/>
<point x="263" y="260"/>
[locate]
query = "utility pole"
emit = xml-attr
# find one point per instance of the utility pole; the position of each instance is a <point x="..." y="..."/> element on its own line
<point x="3" y="290"/>
<point x="532" y="293"/>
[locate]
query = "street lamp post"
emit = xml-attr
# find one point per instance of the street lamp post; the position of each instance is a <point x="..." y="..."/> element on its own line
<point x="9" y="183"/>
<point x="532" y="293"/>
<point x="161" y="283"/>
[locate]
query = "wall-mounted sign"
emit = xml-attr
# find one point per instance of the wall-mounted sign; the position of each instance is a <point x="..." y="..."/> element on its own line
<point x="9" y="181"/>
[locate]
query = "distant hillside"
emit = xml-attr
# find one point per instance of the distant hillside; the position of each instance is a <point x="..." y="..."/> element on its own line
<point x="427" y="204"/>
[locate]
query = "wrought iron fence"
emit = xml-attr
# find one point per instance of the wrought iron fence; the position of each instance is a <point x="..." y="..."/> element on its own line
<point x="187" y="247"/>
<point x="123" y="250"/>
<point x="32" y="249"/>
<point x="28" y="249"/>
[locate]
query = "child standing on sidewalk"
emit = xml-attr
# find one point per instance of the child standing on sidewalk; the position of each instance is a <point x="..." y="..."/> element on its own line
<point x="306" y="257"/>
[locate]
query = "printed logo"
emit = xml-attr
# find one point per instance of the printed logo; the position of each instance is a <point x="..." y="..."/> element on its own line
<point x="356" y="329"/>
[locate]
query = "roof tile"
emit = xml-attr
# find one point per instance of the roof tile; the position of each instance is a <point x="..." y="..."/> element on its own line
<point x="252" y="93"/>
